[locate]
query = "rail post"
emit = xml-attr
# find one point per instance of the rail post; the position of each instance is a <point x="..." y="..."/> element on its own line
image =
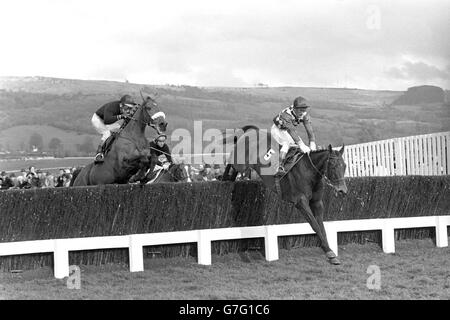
<point x="61" y="260"/>
<point x="332" y="237"/>
<point x="388" y="239"/>
<point x="441" y="232"/>
<point x="136" y="254"/>
<point x="271" y="244"/>
<point x="204" y="247"/>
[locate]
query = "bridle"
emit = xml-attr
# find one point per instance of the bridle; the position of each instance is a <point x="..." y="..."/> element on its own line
<point x="323" y="176"/>
<point x="145" y="107"/>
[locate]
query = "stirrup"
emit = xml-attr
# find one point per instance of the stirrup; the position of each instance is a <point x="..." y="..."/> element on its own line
<point x="99" y="157"/>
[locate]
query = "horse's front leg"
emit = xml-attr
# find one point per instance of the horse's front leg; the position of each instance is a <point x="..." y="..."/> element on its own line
<point x="317" y="209"/>
<point x="226" y="173"/>
<point x="303" y="205"/>
<point x="230" y="177"/>
<point x="142" y="163"/>
<point x="139" y="176"/>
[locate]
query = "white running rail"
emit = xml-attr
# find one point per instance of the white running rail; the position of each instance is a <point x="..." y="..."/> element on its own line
<point x="203" y="238"/>
<point x="426" y="155"/>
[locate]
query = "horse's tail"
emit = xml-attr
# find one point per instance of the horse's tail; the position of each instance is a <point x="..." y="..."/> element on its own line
<point x="226" y="175"/>
<point x="234" y="137"/>
<point x="74" y="175"/>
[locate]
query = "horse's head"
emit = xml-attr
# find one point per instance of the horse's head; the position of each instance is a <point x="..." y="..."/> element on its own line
<point x="153" y="115"/>
<point x="336" y="170"/>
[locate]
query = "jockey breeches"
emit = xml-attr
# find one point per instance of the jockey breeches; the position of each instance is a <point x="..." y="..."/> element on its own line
<point x="104" y="129"/>
<point x="283" y="138"/>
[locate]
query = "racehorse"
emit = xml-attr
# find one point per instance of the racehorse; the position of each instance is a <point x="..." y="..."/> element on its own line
<point x="175" y="173"/>
<point x="302" y="185"/>
<point x="130" y="150"/>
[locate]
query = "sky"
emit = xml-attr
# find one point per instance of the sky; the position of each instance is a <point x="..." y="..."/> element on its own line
<point x="367" y="44"/>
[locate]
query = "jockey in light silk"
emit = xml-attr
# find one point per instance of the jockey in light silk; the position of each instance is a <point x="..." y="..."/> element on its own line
<point x="107" y="118"/>
<point x="283" y="129"/>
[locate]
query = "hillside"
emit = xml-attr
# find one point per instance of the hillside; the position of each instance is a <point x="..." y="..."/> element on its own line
<point x="421" y="94"/>
<point x="339" y="115"/>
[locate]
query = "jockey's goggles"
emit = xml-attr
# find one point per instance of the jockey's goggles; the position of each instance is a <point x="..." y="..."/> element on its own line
<point x="302" y="106"/>
<point x="129" y="105"/>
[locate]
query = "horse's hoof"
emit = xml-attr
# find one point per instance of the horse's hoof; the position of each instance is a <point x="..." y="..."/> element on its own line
<point x="334" y="261"/>
<point x="332" y="258"/>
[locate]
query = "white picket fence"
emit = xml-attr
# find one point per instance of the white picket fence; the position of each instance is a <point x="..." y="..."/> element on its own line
<point x="203" y="238"/>
<point x="427" y="154"/>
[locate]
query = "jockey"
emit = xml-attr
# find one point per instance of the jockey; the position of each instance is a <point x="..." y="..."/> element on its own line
<point x="158" y="151"/>
<point x="107" y="118"/>
<point x="283" y="129"/>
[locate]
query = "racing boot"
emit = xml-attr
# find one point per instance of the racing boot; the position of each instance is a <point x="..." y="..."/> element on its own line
<point x="281" y="170"/>
<point x="99" y="157"/>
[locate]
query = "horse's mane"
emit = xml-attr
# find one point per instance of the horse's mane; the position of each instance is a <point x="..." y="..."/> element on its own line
<point x="319" y="150"/>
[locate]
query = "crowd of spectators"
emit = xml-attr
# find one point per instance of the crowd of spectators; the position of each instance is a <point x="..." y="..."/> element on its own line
<point x="206" y="172"/>
<point x="32" y="179"/>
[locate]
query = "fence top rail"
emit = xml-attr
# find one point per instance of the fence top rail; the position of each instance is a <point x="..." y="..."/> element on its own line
<point x="69" y="244"/>
<point x="427" y="135"/>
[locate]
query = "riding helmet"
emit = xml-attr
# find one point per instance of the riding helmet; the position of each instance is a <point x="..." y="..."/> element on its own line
<point x="300" y="102"/>
<point x="127" y="99"/>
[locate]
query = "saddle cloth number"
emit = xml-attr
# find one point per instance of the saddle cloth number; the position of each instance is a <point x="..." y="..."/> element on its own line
<point x="269" y="154"/>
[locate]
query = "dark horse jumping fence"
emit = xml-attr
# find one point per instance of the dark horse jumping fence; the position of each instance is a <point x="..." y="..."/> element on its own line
<point x="302" y="185"/>
<point x="129" y="153"/>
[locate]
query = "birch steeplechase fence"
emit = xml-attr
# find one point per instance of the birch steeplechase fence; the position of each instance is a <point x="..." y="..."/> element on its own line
<point x="136" y="242"/>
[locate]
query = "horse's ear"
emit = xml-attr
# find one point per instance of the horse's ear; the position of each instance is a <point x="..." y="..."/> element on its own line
<point x="330" y="148"/>
<point x="341" y="152"/>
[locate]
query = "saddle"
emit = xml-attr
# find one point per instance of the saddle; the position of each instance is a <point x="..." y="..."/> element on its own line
<point x="114" y="134"/>
<point x="293" y="155"/>
<point x="109" y="142"/>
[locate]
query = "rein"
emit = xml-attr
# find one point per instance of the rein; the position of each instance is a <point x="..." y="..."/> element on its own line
<point x="330" y="183"/>
<point x="160" y="151"/>
<point x="161" y="174"/>
<point x="323" y="175"/>
<point x="124" y="126"/>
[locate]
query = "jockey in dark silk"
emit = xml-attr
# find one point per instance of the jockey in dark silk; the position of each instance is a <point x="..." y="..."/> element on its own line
<point x="108" y="118"/>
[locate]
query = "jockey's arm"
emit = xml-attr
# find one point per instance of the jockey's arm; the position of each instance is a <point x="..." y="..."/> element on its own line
<point x="309" y="130"/>
<point x="291" y="130"/>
